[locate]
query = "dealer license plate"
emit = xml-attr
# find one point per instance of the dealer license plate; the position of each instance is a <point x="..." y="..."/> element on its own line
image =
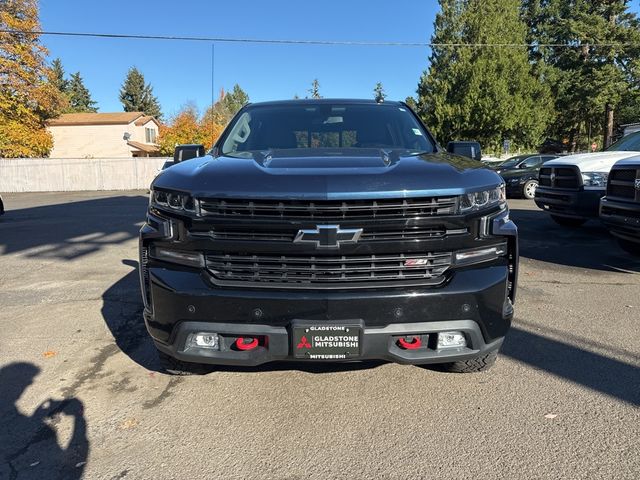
<point x="326" y="341"/>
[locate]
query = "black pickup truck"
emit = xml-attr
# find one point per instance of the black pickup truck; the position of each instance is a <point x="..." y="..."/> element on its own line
<point x="620" y="208"/>
<point x="328" y="230"/>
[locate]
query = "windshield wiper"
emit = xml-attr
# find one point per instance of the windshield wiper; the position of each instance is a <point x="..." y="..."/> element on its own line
<point x="425" y="152"/>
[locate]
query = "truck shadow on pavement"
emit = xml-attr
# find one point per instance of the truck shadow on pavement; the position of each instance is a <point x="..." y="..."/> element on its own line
<point x="591" y="370"/>
<point x="590" y="246"/>
<point x="68" y="231"/>
<point x="29" y="445"/>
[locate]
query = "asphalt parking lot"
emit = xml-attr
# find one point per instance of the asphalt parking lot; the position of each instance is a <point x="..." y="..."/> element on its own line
<point x="83" y="396"/>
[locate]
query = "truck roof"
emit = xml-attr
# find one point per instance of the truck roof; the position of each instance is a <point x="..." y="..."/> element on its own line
<point x="321" y="101"/>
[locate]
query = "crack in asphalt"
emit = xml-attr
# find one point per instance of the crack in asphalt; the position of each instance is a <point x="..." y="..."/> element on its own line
<point x="559" y="282"/>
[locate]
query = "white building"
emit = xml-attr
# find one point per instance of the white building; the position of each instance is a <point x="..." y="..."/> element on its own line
<point x="106" y="135"/>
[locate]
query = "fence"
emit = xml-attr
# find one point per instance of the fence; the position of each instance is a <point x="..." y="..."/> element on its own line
<point x="75" y="174"/>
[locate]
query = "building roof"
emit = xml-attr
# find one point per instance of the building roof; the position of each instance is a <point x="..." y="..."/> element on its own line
<point x="115" y="118"/>
<point x="144" y="119"/>
<point x="145" y="147"/>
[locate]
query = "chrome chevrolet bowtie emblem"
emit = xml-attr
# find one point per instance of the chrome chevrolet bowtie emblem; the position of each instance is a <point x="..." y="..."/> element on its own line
<point x="328" y="236"/>
<point x="638" y="184"/>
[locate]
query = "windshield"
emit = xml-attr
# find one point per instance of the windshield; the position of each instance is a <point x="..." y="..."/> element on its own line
<point x="325" y="125"/>
<point x="630" y="143"/>
<point x="513" y="161"/>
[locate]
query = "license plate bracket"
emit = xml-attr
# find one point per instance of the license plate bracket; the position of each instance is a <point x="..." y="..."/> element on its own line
<point x="318" y="340"/>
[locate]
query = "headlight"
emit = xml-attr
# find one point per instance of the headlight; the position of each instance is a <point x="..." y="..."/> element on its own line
<point x="594" y="179"/>
<point x="480" y="200"/>
<point x="179" y="202"/>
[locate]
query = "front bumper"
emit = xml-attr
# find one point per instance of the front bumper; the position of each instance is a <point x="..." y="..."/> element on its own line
<point x="473" y="301"/>
<point x="569" y="203"/>
<point x="621" y="218"/>
<point x="377" y="343"/>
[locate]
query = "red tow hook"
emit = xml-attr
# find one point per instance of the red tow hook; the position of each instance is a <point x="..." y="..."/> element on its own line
<point x="414" y="344"/>
<point x="242" y="345"/>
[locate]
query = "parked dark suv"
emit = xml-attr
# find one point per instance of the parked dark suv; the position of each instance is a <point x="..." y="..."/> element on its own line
<point x="620" y="208"/>
<point x="328" y="230"/>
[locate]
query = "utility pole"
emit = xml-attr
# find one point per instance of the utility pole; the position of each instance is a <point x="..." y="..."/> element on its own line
<point x="609" y="109"/>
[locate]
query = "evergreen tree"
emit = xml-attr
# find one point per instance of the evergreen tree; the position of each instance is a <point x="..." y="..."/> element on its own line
<point x="315" y="89"/>
<point x="487" y="94"/>
<point x="79" y="97"/>
<point x="137" y="96"/>
<point x="235" y="100"/>
<point x="411" y="102"/>
<point x="378" y="93"/>
<point x="57" y="76"/>
<point x="590" y="82"/>
<point x="227" y="106"/>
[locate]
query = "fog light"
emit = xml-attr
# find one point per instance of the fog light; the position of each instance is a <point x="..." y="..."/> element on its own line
<point x="451" y="339"/>
<point x="479" y="255"/>
<point x="203" y="340"/>
<point x="191" y="259"/>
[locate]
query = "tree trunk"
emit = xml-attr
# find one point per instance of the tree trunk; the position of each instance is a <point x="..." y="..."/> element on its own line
<point x="608" y="125"/>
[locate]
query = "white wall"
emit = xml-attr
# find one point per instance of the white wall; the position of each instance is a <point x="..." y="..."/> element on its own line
<point x="76" y="174"/>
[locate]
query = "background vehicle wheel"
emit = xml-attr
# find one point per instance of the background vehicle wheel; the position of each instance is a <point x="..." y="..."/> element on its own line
<point x="631" y="247"/>
<point x="529" y="189"/>
<point x="477" y="364"/>
<point x="568" y="222"/>
<point x="173" y="366"/>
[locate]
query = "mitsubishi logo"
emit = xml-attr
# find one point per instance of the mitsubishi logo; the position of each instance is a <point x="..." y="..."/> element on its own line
<point x="328" y="236"/>
<point x="637" y="183"/>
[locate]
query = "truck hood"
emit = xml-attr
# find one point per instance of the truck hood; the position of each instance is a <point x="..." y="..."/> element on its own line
<point x="633" y="162"/>
<point x="302" y="174"/>
<point x="592" y="162"/>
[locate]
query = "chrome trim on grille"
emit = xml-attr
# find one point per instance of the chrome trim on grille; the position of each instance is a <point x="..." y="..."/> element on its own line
<point x="307" y="271"/>
<point x="329" y="209"/>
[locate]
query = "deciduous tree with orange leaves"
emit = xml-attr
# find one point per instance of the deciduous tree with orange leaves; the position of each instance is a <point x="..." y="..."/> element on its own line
<point x="188" y="127"/>
<point x="28" y="98"/>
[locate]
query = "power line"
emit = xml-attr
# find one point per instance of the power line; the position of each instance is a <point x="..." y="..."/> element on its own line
<point x="319" y="42"/>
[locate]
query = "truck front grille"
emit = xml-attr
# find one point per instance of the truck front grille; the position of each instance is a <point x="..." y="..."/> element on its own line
<point x="329" y="209"/>
<point x="370" y="234"/>
<point x="621" y="184"/>
<point x="346" y="271"/>
<point x="560" y="177"/>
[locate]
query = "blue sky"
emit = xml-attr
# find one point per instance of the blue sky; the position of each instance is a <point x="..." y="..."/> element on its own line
<point x="180" y="72"/>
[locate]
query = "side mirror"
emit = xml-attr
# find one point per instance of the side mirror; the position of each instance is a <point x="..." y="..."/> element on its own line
<point x="466" y="149"/>
<point x="187" y="152"/>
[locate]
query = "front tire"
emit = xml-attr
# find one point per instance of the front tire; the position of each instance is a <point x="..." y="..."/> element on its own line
<point x="569" y="222"/>
<point x="480" y="363"/>
<point x="529" y="189"/>
<point x="630" y="247"/>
